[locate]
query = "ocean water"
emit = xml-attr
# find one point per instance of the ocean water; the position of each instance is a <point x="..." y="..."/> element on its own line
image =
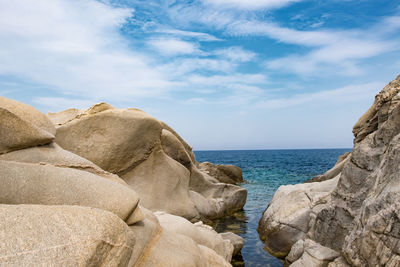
<point x="265" y="171"/>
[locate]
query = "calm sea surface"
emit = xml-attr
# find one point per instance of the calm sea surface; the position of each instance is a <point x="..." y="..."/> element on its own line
<point x="265" y="171"/>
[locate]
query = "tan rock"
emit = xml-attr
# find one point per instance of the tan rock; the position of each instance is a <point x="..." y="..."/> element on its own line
<point x="172" y="250"/>
<point x="22" y="126"/>
<point x="163" y="184"/>
<point x="173" y="147"/>
<point x="236" y="241"/>
<point x="28" y="114"/>
<point x="229" y="174"/>
<point x="25" y="183"/>
<point x="202" y="234"/>
<point x="53" y="154"/>
<point x="116" y="140"/>
<point x="222" y="198"/>
<point x="315" y="255"/>
<point x="33" y="235"/>
<point x="151" y="157"/>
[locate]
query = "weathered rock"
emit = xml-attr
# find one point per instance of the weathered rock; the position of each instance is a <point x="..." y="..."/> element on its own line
<point x="236" y="241"/>
<point x="116" y="140"/>
<point x="53" y="154"/>
<point x="375" y="237"/>
<point x="28" y="114"/>
<point x="25" y="183"/>
<point x="33" y="235"/>
<point x="78" y="234"/>
<point x="151" y="157"/>
<point x="361" y="218"/>
<point x="335" y="171"/>
<point x="222" y="198"/>
<point x="228" y="174"/>
<point x="280" y="228"/>
<point x="174" y="241"/>
<point x="172" y="249"/>
<point x="22" y="126"/>
<point x="339" y="262"/>
<point x="163" y="184"/>
<point x="315" y="255"/>
<point x="202" y="234"/>
<point x="295" y="253"/>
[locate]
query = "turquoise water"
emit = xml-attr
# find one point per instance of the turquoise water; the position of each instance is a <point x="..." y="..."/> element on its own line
<point x="265" y="171"/>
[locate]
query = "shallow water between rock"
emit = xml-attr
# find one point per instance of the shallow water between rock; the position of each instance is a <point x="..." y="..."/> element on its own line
<point x="265" y="171"/>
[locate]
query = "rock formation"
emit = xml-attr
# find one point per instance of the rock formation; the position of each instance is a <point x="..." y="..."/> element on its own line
<point x="353" y="217"/>
<point x="61" y="208"/>
<point x="151" y="158"/>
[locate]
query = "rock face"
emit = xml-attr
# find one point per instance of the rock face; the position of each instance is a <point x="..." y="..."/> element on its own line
<point x="360" y="218"/>
<point x="59" y="208"/>
<point x="33" y="235"/>
<point x="152" y="159"/>
<point x="22" y="126"/>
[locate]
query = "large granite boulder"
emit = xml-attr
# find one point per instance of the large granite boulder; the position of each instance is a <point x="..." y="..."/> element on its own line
<point x="229" y="174"/>
<point x="38" y="235"/>
<point x="22" y="126"/>
<point x="167" y="240"/>
<point x="281" y="227"/>
<point x="82" y="215"/>
<point x="360" y="220"/>
<point x="202" y="234"/>
<point x="151" y="157"/>
<point x="44" y="184"/>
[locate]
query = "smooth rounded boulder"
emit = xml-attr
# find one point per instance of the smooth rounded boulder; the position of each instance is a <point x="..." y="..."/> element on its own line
<point x="25" y="183"/>
<point x="151" y="158"/>
<point x="38" y="235"/>
<point x="22" y="126"/>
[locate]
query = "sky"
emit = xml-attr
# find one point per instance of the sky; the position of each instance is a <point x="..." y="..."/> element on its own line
<point x="225" y="74"/>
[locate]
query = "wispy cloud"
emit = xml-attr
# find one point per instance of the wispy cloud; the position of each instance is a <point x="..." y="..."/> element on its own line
<point x="328" y="49"/>
<point x="172" y="46"/>
<point x="351" y="93"/>
<point x="74" y="46"/>
<point x="201" y="36"/>
<point x="235" y="53"/>
<point x="251" y="5"/>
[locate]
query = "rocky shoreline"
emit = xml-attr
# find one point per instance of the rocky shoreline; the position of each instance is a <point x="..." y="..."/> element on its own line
<point x="349" y="216"/>
<point x="107" y="186"/>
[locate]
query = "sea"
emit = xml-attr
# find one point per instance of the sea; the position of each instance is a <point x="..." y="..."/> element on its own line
<point x="264" y="171"/>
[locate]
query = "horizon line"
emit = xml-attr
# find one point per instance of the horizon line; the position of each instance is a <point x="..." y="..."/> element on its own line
<point x="266" y="149"/>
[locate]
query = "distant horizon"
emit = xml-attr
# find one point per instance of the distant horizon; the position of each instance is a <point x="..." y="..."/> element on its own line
<point x="225" y="74"/>
<point x="274" y="149"/>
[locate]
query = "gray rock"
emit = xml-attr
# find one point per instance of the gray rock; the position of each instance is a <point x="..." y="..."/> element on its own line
<point x="314" y="255"/>
<point x="236" y="241"/>
<point x="360" y="219"/>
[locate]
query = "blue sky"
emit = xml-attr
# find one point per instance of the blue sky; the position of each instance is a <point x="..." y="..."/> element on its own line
<point x="226" y="74"/>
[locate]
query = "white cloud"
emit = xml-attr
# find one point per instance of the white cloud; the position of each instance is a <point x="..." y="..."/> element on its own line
<point x="236" y="53"/>
<point x="251" y="5"/>
<point x="75" y="47"/>
<point x="329" y="50"/>
<point x="201" y="36"/>
<point x="182" y="66"/>
<point x="173" y="47"/>
<point x="352" y="93"/>
<point x="223" y="80"/>
<point x="285" y="35"/>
